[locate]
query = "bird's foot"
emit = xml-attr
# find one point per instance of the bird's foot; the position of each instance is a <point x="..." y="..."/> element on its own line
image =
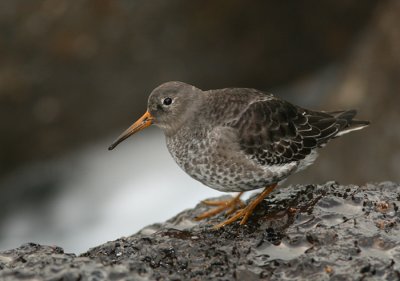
<point x="230" y="206"/>
<point x="246" y="212"/>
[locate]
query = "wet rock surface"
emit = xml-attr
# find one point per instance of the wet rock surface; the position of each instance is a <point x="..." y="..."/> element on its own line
<point x="313" y="232"/>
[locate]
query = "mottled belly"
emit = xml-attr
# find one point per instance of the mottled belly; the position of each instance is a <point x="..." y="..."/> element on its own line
<point x="223" y="173"/>
<point x="215" y="161"/>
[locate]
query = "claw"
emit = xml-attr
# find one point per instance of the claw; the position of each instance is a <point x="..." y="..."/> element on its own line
<point x="229" y="205"/>
<point x="246" y="212"/>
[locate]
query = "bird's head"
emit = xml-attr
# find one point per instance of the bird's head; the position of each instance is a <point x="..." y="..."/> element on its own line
<point x="169" y="106"/>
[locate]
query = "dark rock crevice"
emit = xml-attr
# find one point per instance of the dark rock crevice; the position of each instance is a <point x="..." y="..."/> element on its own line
<point x="311" y="232"/>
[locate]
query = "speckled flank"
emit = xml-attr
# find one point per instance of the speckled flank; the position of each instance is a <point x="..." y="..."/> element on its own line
<point x="213" y="161"/>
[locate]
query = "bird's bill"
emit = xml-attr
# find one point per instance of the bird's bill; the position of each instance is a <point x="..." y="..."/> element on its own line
<point x="144" y="121"/>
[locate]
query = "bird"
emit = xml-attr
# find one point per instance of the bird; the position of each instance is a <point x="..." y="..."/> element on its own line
<point x="238" y="139"/>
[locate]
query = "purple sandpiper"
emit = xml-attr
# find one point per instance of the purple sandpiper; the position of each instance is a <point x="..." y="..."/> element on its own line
<point x="238" y="139"/>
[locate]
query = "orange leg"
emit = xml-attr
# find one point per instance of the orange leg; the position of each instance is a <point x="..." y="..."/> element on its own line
<point x="246" y="212"/>
<point x="229" y="205"/>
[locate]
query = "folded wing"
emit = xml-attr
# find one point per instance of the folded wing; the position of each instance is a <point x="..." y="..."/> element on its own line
<point x="274" y="131"/>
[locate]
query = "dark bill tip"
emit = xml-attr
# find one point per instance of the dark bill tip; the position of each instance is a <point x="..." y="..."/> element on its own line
<point x="144" y="121"/>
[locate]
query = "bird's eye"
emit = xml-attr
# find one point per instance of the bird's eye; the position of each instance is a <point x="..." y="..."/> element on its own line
<point x="167" y="101"/>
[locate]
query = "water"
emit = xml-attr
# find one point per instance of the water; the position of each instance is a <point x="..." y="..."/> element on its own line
<point x="335" y="211"/>
<point x="283" y="251"/>
<point x="101" y="195"/>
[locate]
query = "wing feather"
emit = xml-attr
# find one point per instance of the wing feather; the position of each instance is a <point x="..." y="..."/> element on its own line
<point x="274" y="131"/>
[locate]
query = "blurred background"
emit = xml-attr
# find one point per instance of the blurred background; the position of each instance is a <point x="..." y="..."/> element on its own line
<point x="74" y="74"/>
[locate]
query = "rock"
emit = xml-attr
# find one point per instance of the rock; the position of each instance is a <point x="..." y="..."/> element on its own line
<point x="303" y="232"/>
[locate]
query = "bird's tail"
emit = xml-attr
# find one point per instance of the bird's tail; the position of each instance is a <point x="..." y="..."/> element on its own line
<point x="349" y="124"/>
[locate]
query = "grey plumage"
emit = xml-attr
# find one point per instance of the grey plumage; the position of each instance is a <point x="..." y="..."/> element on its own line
<point x="239" y="139"/>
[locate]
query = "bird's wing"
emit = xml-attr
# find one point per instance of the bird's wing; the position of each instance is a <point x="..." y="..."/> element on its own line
<point x="273" y="131"/>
